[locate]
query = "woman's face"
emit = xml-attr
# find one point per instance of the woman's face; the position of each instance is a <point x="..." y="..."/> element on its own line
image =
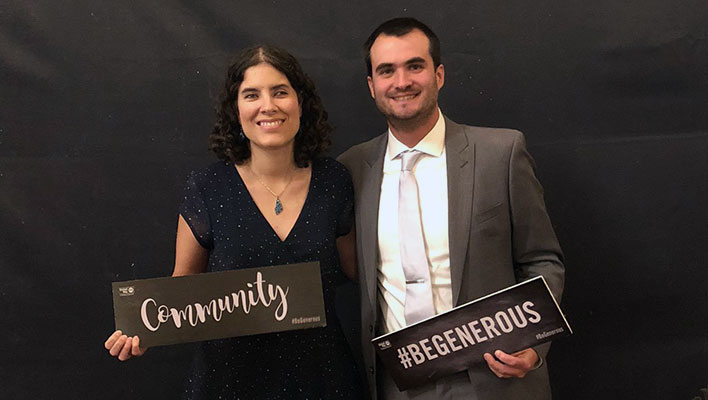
<point x="268" y="108"/>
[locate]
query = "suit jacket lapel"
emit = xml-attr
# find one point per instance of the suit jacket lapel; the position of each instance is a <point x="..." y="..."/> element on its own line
<point x="369" y="211"/>
<point x="460" y="184"/>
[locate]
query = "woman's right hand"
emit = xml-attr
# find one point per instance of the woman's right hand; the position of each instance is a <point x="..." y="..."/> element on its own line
<point x="124" y="347"/>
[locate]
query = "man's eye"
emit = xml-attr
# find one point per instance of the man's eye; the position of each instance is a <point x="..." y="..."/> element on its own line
<point x="415" y="67"/>
<point x="386" y="71"/>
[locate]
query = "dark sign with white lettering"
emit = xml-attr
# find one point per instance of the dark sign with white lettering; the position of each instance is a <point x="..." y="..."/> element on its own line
<point x="220" y="304"/>
<point x="512" y="319"/>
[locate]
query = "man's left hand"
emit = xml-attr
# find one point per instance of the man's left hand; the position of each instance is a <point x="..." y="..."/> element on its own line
<point x="515" y="365"/>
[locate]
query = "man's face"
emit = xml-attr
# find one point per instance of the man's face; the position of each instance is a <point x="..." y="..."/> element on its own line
<point x="403" y="80"/>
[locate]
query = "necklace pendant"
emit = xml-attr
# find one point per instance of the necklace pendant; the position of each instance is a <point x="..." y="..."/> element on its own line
<point x="278" y="206"/>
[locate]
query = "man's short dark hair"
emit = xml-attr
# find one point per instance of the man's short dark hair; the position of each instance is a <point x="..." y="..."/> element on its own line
<point x="399" y="27"/>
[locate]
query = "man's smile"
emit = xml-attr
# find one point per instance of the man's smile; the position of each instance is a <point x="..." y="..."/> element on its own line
<point x="404" y="97"/>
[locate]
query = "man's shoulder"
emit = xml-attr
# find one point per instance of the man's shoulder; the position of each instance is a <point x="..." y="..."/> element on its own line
<point x="484" y="135"/>
<point x="361" y="151"/>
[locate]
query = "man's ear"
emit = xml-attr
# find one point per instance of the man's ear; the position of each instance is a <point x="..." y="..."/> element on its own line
<point x="371" y="86"/>
<point x="440" y="76"/>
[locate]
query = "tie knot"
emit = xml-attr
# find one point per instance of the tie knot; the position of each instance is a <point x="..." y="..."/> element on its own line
<point x="409" y="158"/>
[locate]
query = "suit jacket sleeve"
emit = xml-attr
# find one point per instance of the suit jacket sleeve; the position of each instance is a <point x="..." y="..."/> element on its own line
<point x="534" y="244"/>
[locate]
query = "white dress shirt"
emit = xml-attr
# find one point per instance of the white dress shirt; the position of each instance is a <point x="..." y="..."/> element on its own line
<point x="431" y="176"/>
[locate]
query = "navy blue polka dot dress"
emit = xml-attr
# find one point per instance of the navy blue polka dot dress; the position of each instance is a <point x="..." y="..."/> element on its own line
<point x="304" y="364"/>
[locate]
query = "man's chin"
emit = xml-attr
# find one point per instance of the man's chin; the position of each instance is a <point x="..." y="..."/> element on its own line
<point x="403" y="116"/>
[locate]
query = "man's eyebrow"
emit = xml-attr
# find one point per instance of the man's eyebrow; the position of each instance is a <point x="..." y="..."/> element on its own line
<point x="383" y="66"/>
<point x="415" y="60"/>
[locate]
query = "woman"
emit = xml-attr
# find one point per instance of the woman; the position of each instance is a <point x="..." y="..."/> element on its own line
<point x="270" y="201"/>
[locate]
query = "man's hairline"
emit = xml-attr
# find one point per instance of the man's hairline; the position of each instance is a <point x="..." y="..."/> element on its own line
<point x="430" y="47"/>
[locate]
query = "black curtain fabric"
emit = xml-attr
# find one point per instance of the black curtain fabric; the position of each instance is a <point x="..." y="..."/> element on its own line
<point x="106" y="106"/>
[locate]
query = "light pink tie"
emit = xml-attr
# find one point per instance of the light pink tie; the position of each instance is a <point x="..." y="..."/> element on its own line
<point x="419" y="294"/>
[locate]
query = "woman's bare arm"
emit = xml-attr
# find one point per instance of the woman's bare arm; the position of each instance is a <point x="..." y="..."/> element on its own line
<point x="190" y="257"/>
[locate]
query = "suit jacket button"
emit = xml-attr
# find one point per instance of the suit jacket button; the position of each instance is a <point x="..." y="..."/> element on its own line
<point x="371" y="370"/>
<point x="371" y="328"/>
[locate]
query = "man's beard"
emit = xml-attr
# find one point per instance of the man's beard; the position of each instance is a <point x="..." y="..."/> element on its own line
<point x="411" y="122"/>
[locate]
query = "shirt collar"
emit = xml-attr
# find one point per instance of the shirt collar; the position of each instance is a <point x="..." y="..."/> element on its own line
<point x="432" y="144"/>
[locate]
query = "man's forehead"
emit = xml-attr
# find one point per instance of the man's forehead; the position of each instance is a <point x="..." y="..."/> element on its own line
<point x="388" y="49"/>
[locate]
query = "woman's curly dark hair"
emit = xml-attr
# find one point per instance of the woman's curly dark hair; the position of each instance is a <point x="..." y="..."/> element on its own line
<point x="313" y="137"/>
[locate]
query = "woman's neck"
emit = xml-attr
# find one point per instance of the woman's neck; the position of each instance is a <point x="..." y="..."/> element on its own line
<point x="272" y="163"/>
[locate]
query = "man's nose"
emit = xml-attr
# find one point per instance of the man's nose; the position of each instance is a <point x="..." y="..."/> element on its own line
<point x="401" y="79"/>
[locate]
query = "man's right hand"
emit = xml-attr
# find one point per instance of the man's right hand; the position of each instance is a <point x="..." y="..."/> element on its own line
<point x="124" y="347"/>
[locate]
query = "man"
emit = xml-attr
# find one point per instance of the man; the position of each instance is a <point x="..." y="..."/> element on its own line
<point x="464" y="200"/>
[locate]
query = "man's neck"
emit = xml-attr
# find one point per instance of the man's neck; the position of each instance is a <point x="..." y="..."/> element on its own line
<point x="411" y="132"/>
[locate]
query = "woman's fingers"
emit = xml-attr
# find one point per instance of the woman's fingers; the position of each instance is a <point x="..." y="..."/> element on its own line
<point x="118" y="345"/>
<point x="137" y="351"/>
<point x="112" y="339"/>
<point x="125" y="351"/>
<point x="124" y="347"/>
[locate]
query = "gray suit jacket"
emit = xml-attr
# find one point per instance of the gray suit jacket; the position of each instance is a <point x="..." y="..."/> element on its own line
<point x="499" y="234"/>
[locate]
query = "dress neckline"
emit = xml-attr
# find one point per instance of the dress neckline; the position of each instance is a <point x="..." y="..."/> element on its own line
<point x="239" y="181"/>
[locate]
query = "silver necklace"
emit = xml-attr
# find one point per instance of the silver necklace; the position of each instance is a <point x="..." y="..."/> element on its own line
<point x="278" y="204"/>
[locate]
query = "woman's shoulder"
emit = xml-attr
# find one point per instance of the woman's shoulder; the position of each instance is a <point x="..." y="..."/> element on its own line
<point x="211" y="173"/>
<point x="330" y="173"/>
<point x="331" y="167"/>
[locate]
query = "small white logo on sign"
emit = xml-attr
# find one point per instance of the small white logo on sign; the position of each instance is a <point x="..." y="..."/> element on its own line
<point x="384" y="345"/>
<point x="126" y="291"/>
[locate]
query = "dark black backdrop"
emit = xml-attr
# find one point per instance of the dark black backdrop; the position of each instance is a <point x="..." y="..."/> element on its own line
<point x="105" y="106"/>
